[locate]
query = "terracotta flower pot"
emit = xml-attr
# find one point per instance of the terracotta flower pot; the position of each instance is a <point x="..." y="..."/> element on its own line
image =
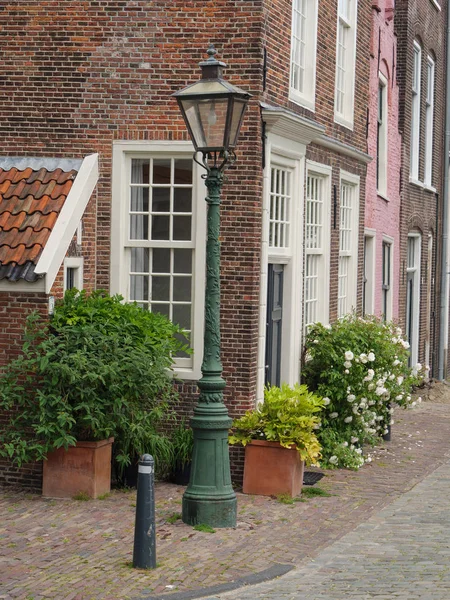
<point x="85" y="467"/>
<point x="270" y="469"/>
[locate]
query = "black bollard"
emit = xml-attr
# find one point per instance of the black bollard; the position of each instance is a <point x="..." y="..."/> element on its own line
<point x="144" y="551"/>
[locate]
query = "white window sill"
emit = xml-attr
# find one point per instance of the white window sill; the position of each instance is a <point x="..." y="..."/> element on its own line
<point x="416" y="182"/>
<point x="382" y="196"/>
<point x="429" y="188"/>
<point x="344" y="122"/>
<point x="185" y="374"/>
<point x="303" y="101"/>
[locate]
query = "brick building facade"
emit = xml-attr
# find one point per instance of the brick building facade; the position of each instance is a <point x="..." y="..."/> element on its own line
<point x="97" y="77"/>
<point x="420" y="27"/>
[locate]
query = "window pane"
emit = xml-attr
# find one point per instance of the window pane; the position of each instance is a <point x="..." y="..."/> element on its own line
<point x="161" y="200"/>
<point x="140" y="168"/>
<point x="139" y="287"/>
<point x="182" y="261"/>
<point x="181" y="228"/>
<point x="182" y="289"/>
<point x="139" y="227"/>
<point x="160" y="228"/>
<point x="160" y="288"/>
<point x="184" y="339"/>
<point x="182" y="315"/>
<point x="183" y="171"/>
<point x="139" y="260"/>
<point x="163" y="309"/>
<point x="161" y="260"/>
<point x="182" y="200"/>
<point x="139" y="199"/>
<point x="161" y="170"/>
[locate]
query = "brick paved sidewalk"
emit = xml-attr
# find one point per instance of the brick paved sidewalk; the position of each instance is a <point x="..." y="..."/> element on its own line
<point x="73" y="550"/>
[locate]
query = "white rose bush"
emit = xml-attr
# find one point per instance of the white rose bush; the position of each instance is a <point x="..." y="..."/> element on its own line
<point x="360" y="365"/>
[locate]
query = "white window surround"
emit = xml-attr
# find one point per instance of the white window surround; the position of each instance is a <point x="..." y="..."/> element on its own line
<point x="382" y="136"/>
<point x="436" y="5"/>
<point x="369" y="270"/>
<point x="390" y="276"/>
<point x="344" y="97"/>
<point x="287" y="154"/>
<point x="123" y="152"/>
<point x="429" y="123"/>
<point x="318" y="251"/>
<point x="415" y="113"/>
<point x="303" y="53"/>
<point x="348" y="244"/>
<point x="75" y="263"/>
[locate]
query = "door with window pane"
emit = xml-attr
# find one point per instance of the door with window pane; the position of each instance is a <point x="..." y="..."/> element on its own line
<point x="161" y="242"/>
<point x="413" y="296"/>
<point x="274" y="324"/>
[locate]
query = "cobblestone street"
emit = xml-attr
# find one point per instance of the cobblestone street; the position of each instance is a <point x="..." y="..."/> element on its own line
<point x="74" y="550"/>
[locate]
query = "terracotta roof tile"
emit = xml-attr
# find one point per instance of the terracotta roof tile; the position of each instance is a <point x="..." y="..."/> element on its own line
<point x="30" y="202"/>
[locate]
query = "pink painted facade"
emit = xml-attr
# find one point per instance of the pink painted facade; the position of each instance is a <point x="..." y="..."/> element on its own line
<point x="382" y="216"/>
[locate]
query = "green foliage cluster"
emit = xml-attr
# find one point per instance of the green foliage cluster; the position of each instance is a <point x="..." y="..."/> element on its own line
<point x="182" y="439"/>
<point x="360" y="367"/>
<point x="288" y="415"/>
<point x="99" y="368"/>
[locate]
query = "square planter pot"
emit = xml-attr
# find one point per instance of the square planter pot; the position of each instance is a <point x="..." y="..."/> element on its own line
<point x="85" y="467"/>
<point x="270" y="469"/>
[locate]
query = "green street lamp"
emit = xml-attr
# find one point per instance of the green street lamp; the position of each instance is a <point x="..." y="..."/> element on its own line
<point x="213" y="111"/>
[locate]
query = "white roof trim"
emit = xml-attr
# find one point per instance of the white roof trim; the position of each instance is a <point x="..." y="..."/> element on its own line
<point x="68" y="220"/>
<point x="22" y="286"/>
<point x="341" y="148"/>
<point x="288" y="124"/>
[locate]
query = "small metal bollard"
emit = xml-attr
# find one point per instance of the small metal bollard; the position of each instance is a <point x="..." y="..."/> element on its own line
<point x="144" y="551"/>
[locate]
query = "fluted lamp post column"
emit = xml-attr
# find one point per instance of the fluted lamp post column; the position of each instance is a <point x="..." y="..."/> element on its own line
<point x="213" y="110"/>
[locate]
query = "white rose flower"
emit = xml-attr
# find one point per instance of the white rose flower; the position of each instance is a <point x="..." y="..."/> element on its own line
<point x="348" y="419"/>
<point x="413" y="403"/>
<point x="371" y="356"/>
<point x="347" y="364"/>
<point x="391" y="377"/>
<point x="399" y="397"/>
<point x="380" y="391"/>
<point x="427" y="368"/>
<point x="391" y="422"/>
<point x="405" y="345"/>
<point x="308" y="357"/>
<point x="368" y="459"/>
<point x="326" y="401"/>
<point x="363" y="358"/>
<point x="333" y="415"/>
<point x="398" y="331"/>
<point x="371" y="386"/>
<point x="400" y="380"/>
<point x="333" y="460"/>
<point x="355" y="409"/>
<point x="353" y="439"/>
<point x="418" y="366"/>
<point x="346" y="371"/>
<point x="349" y="355"/>
<point x="396" y="362"/>
<point x="352" y="447"/>
<point x="351" y="397"/>
<point x="345" y="444"/>
<point x="358" y="451"/>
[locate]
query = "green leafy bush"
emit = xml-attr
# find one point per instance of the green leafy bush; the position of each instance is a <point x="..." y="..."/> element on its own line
<point x="98" y="368"/>
<point x="360" y="367"/>
<point x="288" y="415"/>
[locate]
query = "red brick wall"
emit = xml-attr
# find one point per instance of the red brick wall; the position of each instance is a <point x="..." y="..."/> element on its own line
<point x="14" y="307"/>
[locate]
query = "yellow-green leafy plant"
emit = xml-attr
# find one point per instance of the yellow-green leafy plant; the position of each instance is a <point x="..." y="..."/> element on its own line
<point x="289" y="415"/>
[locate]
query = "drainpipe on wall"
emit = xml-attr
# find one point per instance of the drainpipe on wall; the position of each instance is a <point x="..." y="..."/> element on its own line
<point x="444" y="308"/>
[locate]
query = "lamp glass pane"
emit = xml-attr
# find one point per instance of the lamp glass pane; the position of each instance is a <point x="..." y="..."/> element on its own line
<point x="238" y="110"/>
<point x="190" y="109"/>
<point x="213" y="117"/>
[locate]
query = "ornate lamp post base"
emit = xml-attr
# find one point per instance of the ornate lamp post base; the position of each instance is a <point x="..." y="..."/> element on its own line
<point x="210" y="497"/>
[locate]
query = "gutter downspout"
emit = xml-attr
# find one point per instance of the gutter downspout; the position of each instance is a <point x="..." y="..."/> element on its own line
<point x="444" y="308"/>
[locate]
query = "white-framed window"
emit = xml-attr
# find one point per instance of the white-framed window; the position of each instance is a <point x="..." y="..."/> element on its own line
<point x="369" y="272"/>
<point x="317" y="244"/>
<point x="158" y="237"/>
<point x="280" y="208"/>
<point x="348" y="243"/>
<point x="429" y="118"/>
<point x="387" y="263"/>
<point x="413" y="294"/>
<point x="345" y="63"/>
<point x="415" y="112"/>
<point x="382" y="137"/>
<point x="303" y="52"/>
<point x="73" y="273"/>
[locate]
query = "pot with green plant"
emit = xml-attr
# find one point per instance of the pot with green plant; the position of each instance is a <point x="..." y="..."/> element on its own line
<point x="99" y="369"/>
<point x="182" y="438"/>
<point x="279" y="436"/>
